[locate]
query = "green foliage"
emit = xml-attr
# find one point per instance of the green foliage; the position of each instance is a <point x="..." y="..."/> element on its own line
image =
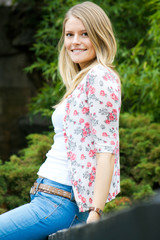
<point x="117" y="204"/>
<point x="140" y="72"/>
<point x="19" y="173"/>
<point x="140" y="160"/>
<point x="140" y="143"/>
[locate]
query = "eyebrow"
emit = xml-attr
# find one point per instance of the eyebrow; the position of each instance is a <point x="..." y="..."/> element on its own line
<point x="84" y="30"/>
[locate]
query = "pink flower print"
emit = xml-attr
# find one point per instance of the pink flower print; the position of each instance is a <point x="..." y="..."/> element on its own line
<point x="94" y="131"/>
<point x="82" y="157"/>
<point x="83" y="199"/>
<point x="75" y="183"/>
<point x="87" y="124"/>
<point x="91" y="153"/>
<point x="89" y="164"/>
<point x="102" y="93"/>
<point x="72" y="156"/>
<point x="82" y="88"/>
<point x="87" y="92"/>
<point x="114" y="97"/>
<point x="80" y="196"/>
<point x="113" y="194"/>
<point x="107" y="122"/>
<point x="105" y="78"/>
<point x="82" y="139"/>
<point x="111" y="117"/>
<point x="92" y="90"/>
<point x="90" y="200"/>
<point x="84" y="133"/>
<point x="109" y="104"/>
<point x="93" y="169"/>
<point x="90" y="184"/>
<point x="92" y="177"/>
<point x="114" y="135"/>
<point x="114" y="111"/>
<point x="67" y="105"/>
<point x="118" y="172"/>
<point x="112" y="142"/>
<point x="85" y="110"/>
<point x="104" y="134"/>
<point x="75" y="112"/>
<point x="68" y="111"/>
<point x="81" y="120"/>
<point x="81" y="209"/>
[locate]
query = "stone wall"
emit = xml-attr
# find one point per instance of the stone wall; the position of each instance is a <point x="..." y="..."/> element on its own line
<point x="16" y="87"/>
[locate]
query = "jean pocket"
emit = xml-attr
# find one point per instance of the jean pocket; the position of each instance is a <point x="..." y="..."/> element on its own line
<point x="44" y="206"/>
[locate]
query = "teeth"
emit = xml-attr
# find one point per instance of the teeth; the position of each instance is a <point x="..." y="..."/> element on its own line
<point x="78" y="50"/>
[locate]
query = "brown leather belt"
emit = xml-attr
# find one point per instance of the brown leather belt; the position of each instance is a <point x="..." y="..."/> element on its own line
<point x="49" y="189"/>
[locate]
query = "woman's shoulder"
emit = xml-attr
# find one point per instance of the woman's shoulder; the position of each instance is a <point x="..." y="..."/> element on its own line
<point x="102" y="71"/>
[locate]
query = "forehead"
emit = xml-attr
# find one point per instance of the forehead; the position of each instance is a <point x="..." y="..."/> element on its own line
<point x="73" y="24"/>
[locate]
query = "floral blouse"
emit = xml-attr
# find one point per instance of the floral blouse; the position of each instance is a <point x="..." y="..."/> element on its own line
<point x="91" y="124"/>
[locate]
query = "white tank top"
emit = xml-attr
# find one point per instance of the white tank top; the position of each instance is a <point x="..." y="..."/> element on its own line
<point x="55" y="166"/>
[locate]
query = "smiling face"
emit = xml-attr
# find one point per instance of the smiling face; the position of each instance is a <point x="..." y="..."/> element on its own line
<point x="77" y="42"/>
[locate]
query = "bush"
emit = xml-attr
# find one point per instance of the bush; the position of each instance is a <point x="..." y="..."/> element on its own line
<point x="19" y="173"/>
<point x="140" y="160"/>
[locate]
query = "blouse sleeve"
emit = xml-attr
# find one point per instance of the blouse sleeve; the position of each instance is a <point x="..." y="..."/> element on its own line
<point x="104" y="98"/>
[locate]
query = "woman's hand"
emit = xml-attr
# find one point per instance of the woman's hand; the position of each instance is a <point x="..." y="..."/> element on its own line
<point x="93" y="216"/>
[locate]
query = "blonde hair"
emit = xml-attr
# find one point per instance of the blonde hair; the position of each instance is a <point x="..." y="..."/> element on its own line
<point x="99" y="30"/>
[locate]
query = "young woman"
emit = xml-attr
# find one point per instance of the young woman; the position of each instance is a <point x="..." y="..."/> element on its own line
<point x="81" y="172"/>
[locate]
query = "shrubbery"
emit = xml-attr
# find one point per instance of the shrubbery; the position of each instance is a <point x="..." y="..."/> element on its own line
<point x="140" y="159"/>
<point x="19" y="173"/>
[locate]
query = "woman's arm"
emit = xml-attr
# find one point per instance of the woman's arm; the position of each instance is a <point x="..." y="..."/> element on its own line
<point x="104" y="171"/>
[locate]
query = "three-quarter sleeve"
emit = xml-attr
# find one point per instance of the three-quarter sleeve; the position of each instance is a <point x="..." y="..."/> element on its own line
<point x="104" y="99"/>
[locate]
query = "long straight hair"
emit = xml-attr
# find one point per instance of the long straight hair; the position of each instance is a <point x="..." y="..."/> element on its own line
<point x="100" y="33"/>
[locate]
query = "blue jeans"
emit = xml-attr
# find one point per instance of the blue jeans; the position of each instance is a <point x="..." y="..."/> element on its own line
<point x="44" y="215"/>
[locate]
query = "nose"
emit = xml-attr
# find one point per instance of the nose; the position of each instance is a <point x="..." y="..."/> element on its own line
<point x="76" y="39"/>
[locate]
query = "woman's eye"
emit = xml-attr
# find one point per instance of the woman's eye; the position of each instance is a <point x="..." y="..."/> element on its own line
<point x="68" y="34"/>
<point x="85" y="34"/>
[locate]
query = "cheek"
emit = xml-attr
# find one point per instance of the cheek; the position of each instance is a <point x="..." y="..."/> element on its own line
<point x="90" y="46"/>
<point x="66" y="43"/>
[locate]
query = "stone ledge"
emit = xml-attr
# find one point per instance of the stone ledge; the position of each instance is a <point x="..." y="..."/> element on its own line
<point x="140" y="222"/>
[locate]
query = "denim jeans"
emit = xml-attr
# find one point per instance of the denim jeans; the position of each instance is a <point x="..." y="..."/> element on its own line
<point x="44" y="215"/>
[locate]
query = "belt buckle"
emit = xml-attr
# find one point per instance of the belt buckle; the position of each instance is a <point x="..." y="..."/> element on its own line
<point x="32" y="189"/>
